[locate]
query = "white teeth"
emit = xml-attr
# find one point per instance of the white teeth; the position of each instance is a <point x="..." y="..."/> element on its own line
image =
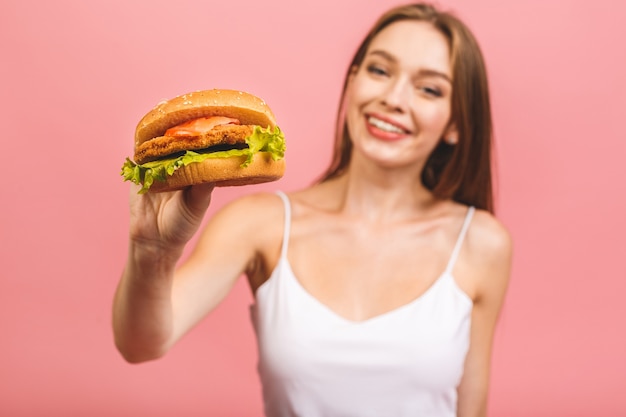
<point x="382" y="125"/>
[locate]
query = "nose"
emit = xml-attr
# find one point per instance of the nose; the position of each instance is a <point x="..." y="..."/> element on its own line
<point x="397" y="95"/>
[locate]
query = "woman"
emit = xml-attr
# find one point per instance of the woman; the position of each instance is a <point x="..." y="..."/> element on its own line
<point x="377" y="289"/>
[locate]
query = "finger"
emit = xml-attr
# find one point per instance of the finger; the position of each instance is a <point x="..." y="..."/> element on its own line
<point x="134" y="189"/>
<point x="198" y="197"/>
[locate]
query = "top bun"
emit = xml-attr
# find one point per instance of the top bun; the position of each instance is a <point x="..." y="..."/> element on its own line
<point x="247" y="108"/>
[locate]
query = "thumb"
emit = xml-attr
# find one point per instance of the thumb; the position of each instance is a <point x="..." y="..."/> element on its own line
<point x="198" y="197"/>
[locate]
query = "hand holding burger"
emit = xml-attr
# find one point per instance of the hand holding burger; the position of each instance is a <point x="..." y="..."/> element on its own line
<point x="224" y="137"/>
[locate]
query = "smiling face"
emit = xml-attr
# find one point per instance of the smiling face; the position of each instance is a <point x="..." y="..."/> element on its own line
<point x="398" y="100"/>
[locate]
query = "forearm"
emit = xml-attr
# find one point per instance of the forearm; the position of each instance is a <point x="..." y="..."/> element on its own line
<point x="473" y="399"/>
<point x="142" y="308"/>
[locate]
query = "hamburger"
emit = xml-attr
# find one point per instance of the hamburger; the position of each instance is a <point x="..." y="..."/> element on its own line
<point x="225" y="137"/>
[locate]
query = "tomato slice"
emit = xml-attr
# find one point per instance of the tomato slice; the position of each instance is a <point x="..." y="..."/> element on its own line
<point x="199" y="126"/>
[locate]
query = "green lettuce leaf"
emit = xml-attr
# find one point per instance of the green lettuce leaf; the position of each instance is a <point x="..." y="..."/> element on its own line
<point x="261" y="140"/>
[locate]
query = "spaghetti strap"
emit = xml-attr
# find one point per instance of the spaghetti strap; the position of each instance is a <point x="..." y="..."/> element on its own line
<point x="459" y="241"/>
<point x="287" y="226"/>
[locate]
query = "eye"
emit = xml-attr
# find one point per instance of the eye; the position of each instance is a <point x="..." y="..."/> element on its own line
<point x="430" y="91"/>
<point x="377" y="70"/>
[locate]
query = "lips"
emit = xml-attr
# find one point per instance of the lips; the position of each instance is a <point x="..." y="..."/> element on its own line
<point x="384" y="128"/>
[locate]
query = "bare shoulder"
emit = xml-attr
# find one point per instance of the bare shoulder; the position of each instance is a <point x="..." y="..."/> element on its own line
<point x="489" y="249"/>
<point x="488" y="237"/>
<point x="249" y="222"/>
<point x="252" y="206"/>
<point x="252" y="216"/>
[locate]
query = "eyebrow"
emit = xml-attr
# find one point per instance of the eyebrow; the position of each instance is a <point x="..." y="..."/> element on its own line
<point x="424" y="72"/>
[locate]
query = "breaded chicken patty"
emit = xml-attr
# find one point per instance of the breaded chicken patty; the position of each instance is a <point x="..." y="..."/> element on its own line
<point x="164" y="146"/>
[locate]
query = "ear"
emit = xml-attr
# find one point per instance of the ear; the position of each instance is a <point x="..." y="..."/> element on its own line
<point x="451" y="135"/>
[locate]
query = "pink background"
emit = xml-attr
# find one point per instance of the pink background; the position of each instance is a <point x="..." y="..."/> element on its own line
<point x="76" y="76"/>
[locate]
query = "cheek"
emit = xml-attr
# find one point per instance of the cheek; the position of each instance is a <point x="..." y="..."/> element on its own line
<point x="363" y="89"/>
<point x="355" y="99"/>
<point x="352" y="118"/>
<point x="434" y="118"/>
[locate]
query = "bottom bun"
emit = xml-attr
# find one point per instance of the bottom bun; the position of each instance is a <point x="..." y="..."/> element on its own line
<point x="224" y="172"/>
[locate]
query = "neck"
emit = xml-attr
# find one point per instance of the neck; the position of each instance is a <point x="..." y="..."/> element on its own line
<point x="381" y="195"/>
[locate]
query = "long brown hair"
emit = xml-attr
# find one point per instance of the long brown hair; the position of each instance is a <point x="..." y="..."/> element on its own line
<point x="461" y="172"/>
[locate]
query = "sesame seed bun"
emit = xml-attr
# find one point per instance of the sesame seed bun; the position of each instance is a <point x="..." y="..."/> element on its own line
<point x="151" y="145"/>
<point x="247" y="108"/>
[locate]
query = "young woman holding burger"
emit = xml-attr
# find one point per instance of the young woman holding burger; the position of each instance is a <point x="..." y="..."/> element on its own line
<point x="378" y="288"/>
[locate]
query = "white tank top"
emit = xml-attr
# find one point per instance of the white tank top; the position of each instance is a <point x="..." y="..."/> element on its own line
<point x="315" y="363"/>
